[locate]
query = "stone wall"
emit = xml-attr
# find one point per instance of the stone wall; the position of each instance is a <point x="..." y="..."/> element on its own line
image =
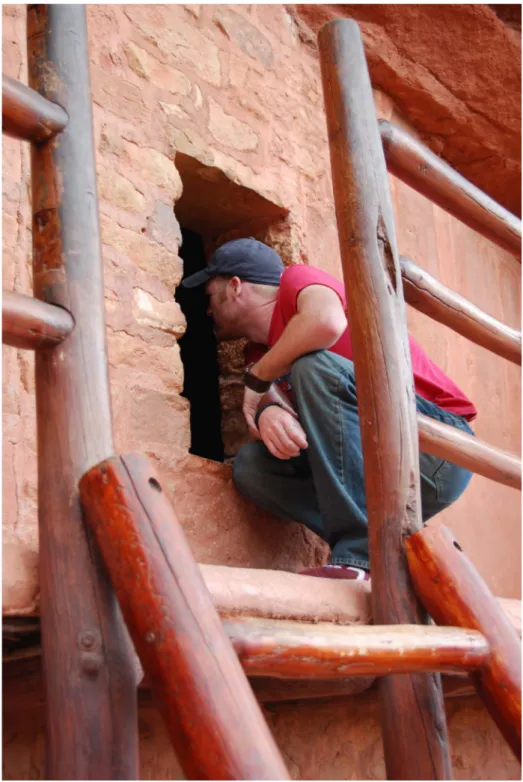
<point x="217" y="111"/>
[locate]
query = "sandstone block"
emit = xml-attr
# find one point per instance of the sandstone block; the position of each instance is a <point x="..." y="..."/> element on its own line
<point x="129" y="355"/>
<point x="163" y="226"/>
<point x="159" y="417"/>
<point x="229" y="130"/>
<point x="144" y="253"/>
<point x="116" y="188"/>
<point x="160" y="74"/>
<point x="154" y="167"/>
<point x="245" y="35"/>
<point x="164" y="315"/>
<point x="19" y="578"/>
<point x="173" y="110"/>
<point x="118" y="96"/>
<point x="176" y="40"/>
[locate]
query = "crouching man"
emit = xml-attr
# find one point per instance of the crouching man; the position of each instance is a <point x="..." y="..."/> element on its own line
<point x="301" y="403"/>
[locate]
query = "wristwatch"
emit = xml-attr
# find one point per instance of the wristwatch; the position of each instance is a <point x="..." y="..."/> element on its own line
<point x="256" y="383"/>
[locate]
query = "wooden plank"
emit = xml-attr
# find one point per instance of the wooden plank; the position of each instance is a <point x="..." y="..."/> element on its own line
<point x="89" y="670"/>
<point x="293" y="650"/>
<point x="413" y="718"/>
<point x="415" y="164"/>
<point x="27" y="115"/>
<point x="454" y="593"/>
<point x="430" y="296"/>
<point x="469" y="452"/>
<point x="210" y="712"/>
<point x="32" y="324"/>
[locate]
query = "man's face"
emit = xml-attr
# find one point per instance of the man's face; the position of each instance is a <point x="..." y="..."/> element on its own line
<point x="224" y="308"/>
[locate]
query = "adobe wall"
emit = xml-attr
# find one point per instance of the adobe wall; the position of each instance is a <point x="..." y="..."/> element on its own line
<point x="228" y="99"/>
<point x="334" y="739"/>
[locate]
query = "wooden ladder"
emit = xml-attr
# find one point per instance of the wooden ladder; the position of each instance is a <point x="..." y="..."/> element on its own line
<point x="133" y="543"/>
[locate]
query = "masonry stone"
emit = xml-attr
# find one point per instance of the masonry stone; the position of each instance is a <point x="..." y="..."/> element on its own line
<point x="116" y="188"/>
<point x="164" y="315"/>
<point x="245" y="35"/>
<point x="229" y="130"/>
<point x="155" y="167"/>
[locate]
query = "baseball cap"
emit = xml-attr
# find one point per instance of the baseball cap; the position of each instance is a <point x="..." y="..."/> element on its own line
<point x="248" y="259"/>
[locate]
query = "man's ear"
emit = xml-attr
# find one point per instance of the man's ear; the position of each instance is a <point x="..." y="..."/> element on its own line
<point x="236" y="285"/>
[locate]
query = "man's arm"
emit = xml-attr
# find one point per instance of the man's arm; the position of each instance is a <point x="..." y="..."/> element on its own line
<point x="318" y="324"/>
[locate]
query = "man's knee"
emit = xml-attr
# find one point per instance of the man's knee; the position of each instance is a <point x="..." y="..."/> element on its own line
<point x="306" y="365"/>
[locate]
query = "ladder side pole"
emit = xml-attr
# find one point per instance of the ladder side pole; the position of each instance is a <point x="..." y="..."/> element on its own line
<point x="412" y="711"/>
<point x="89" y="669"/>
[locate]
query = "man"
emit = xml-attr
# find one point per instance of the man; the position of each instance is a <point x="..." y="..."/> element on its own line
<point x="300" y="400"/>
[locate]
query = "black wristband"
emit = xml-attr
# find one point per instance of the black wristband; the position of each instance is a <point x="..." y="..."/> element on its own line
<point x="260" y="410"/>
<point x="256" y="383"/>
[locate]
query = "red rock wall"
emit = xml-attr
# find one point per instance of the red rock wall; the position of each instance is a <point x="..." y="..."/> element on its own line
<point x="332" y="740"/>
<point x="238" y="93"/>
<point x="237" y="90"/>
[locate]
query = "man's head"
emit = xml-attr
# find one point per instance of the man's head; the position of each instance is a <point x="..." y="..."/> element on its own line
<point x="241" y="278"/>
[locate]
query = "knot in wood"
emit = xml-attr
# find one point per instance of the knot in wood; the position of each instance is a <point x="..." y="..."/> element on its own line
<point x="89" y="640"/>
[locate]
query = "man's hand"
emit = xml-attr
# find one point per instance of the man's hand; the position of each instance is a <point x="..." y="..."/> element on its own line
<point x="281" y="432"/>
<point x="251" y="400"/>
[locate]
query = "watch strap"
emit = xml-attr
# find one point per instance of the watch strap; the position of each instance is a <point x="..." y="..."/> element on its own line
<point x="260" y="410"/>
<point x="256" y="383"/>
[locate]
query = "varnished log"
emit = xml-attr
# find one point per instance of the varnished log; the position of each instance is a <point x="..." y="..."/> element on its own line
<point x="27" y="115"/>
<point x="454" y="593"/>
<point x="414" y="163"/>
<point x="292" y="650"/>
<point x="209" y="709"/>
<point x="430" y="296"/>
<point x="89" y="672"/>
<point x="412" y="713"/>
<point x="469" y="452"/>
<point x="32" y="324"/>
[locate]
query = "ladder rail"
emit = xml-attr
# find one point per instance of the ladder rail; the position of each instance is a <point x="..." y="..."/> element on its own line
<point x="27" y="115"/>
<point x="417" y="166"/>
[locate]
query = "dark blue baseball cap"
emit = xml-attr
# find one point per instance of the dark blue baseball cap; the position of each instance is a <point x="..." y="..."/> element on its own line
<point x="248" y="259"/>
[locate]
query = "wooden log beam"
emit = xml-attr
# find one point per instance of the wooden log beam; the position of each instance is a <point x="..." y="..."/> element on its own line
<point x="89" y="664"/>
<point x="210" y="712"/>
<point x="430" y="296"/>
<point x="32" y="324"/>
<point x="412" y="712"/>
<point x="27" y="115"/>
<point x="415" y="164"/>
<point x="467" y="451"/>
<point x="293" y="650"/>
<point x="454" y="593"/>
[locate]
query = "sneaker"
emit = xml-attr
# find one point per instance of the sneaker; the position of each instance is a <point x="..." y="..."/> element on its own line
<point x="338" y="571"/>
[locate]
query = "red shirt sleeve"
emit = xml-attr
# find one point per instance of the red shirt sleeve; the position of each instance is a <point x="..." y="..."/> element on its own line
<point x="296" y="278"/>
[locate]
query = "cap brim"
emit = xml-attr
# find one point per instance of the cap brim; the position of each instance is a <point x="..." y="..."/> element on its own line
<point x="197" y="279"/>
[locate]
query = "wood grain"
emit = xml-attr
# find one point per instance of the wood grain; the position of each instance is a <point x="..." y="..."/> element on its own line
<point x="210" y="712"/>
<point x="412" y="713"/>
<point x="89" y="670"/>
<point x="454" y="593"/>
<point x="415" y="164"/>
<point x="430" y="296"/>
<point x="293" y="650"/>
<point x="32" y="324"/>
<point x="27" y="115"/>
<point x="469" y="452"/>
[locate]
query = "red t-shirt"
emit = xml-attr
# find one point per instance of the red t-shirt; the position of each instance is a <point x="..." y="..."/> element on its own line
<point x="429" y="381"/>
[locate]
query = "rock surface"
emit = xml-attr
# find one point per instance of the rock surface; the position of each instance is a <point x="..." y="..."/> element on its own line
<point x="455" y="74"/>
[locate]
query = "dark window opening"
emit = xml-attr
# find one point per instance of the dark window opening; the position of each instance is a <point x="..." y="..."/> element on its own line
<point x="199" y="356"/>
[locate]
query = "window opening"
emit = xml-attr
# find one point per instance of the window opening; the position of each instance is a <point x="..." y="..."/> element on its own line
<point x="198" y="349"/>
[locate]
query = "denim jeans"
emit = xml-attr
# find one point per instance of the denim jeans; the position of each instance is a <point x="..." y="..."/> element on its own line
<point x="323" y="487"/>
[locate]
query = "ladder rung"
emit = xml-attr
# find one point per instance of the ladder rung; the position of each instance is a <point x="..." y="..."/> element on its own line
<point x="414" y="163"/>
<point x="430" y="296"/>
<point x="292" y="650"/>
<point x="469" y="452"/>
<point x="33" y="324"/>
<point x="27" y="115"/>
